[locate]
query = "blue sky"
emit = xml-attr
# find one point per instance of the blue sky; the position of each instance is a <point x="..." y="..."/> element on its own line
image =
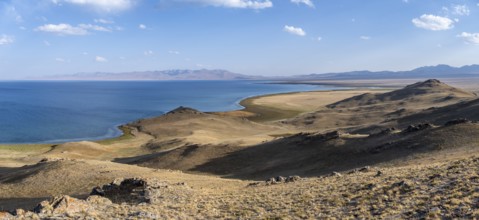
<point x="257" y="37"/>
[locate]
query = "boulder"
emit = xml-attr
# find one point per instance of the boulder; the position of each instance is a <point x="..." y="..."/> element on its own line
<point x="62" y="204"/>
<point x="137" y="190"/>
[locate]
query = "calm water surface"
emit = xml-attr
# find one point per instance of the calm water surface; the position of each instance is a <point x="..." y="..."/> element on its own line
<point x="37" y="112"/>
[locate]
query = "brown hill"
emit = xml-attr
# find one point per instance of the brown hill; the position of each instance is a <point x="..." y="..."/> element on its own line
<point x="312" y="154"/>
<point x="424" y="92"/>
<point x="371" y="109"/>
<point x="186" y="126"/>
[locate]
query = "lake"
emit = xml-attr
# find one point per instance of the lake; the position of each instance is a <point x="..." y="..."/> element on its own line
<point x="59" y="111"/>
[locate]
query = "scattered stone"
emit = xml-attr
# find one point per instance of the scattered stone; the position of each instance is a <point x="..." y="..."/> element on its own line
<point x="335" y="174"/>
<point x="97" y="191"/>
<point x="279" y="179"/>
<point x="19" y="212"/>
<point x="418" y="127"/>
<point x="270" y="181"/>
<point x="332" y="135"/>
<point x="370" y="186"/>
<point x="365" y="169"/>
<point x="379" y="173"/>
<point x="292" y="179"/>
<point x="403" y="186"/>
<point x="144" y="215"/>
<point x="457" y="121"/>
<point x="386" y="131"/>
<point x="434" y="176"/>
<point x="255" y="184"/>
<point x="62" y="204"/>
<point x="398" y="184"/>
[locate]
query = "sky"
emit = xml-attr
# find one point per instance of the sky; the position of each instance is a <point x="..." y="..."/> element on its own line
<point x="254" y="37"/>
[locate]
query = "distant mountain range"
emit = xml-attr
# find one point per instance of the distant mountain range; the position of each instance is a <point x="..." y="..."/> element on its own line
<point x="439" y="71"/>
<point x="202" y="74"/>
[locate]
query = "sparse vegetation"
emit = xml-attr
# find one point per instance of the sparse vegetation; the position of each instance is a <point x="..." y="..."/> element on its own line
<point x="360" y="158"/>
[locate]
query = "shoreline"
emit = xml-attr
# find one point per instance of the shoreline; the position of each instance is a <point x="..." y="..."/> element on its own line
<point x="263" y="113"/>
<point x="247" y="108"/>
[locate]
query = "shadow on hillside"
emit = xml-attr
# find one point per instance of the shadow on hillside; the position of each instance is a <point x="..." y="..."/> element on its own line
<point x="313" y="156"/>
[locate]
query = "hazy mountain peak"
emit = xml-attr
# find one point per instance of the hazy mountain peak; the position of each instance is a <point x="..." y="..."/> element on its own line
<point x="174" y="74"/>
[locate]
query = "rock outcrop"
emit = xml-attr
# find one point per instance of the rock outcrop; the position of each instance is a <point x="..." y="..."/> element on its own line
<point x="136" y="191"/>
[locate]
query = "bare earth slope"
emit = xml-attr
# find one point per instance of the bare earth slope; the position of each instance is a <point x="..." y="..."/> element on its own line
<point x="426" y="167"/>
<point x="322" y="149"/>
<point x="186" y="125"/>
<point x="437" y="190"/>
<point x="51" y="177"/>
<point x="466" y="109"/>
<point x="368" y="110"/>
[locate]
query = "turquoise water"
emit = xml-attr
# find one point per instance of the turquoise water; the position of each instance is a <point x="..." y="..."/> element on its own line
<point x="58" y="111"/>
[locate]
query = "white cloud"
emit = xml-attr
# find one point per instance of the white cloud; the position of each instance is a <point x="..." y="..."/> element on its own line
<point x="462" y="10"/>
<point x="174" y="52"/>
<point x="365" y="37"/>
<point x="5" y="39"/>
<point x="94" y="27"/>
<point x="46" y="43"/>
<point x="319" y="39"/>
<point x="294" y="30"/>
<point x="142" y="26"/>
<point x="62" y="29"/>
<point x="472" y="38"/>
<point x="306" y="2"/>
<point x="103" y="21"/>
<point x="103" y="5"/>
<point x="61" y="60"/>
<point x="251" y="4"/>
<point x="100" y="59"/>
<point x="433" y="22"/>
<point x="67" y="29"/>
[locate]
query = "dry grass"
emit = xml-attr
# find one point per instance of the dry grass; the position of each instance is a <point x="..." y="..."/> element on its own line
<point x="424" y="174"/>
<point x="437" y="190"/>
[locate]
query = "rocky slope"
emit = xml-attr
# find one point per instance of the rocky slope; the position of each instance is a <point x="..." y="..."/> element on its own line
<point x="437" y="190"/>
